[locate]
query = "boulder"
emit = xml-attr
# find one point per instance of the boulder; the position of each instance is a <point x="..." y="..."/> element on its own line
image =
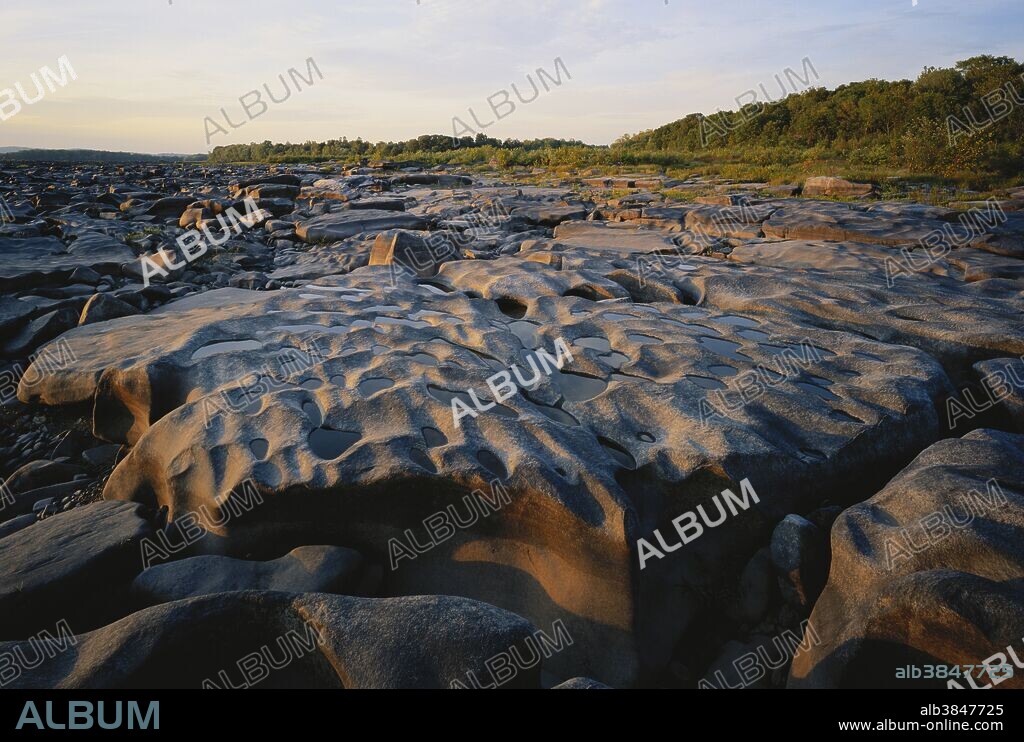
<point x="926" y="572"/>
<point x="825" y="185"/>
<point x="72" y="566"/>
<point x="315" y="569"/>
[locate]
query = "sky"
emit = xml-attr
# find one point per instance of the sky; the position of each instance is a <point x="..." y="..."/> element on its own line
<point x="150" y="73"/>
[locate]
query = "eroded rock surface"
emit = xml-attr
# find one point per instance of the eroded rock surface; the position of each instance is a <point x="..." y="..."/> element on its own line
<point x="301" y="413"/>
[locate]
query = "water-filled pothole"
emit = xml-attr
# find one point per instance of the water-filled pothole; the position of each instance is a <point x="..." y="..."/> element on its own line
<point x="705" y="383"/>
<point x="614" y="359"/>
<point x="434" y="438"/>
<point x="424" y="358"/>
<point x="445" y="397"/>
<point x="594" y="343"/>
<point x="577" y="387"/>
<point x="725" y="348"/>
<point x="492" y="463"/>
<point x="225" y="347"/>
<point x="644" y="339"/>
<point x="369" y="387"/>
<point x="329" y="444"/>
<point x="259" y="447"/>
<point x="421" y="459"/>
<point x="753" y="334"/>
<point x="558" y="415"/>
<point x="526" y="332"/>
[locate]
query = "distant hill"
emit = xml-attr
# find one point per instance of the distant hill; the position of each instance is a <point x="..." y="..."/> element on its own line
<point x="18" y="154"/>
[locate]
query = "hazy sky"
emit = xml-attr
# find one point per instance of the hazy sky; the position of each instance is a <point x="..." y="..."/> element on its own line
<point x="149" y="71"/>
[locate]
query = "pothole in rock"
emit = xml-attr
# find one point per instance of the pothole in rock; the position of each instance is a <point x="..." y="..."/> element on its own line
<point x="722" y="370"/>
<point x="526" y="332"/>
<point x="725" y="348"/>
<point x="577" y="387"/>
<point x="557" y="414"/>
<point x="259" y="447"/>
<point x="492" y="463"/>
<point x="311" y="384"/>
<point x="225" y="347"/>
<point x="369" y="387"/>
<point x="424" y="358"/>
<point x="421" y="459"/>
<point x="511" y="308"/>
<point x="614" y="359"/>
<point x="329" y="444"/>
<point x="645" y="437"/>
<point x="434" y="438"/>
<point x="590" y="293"/>
<point x="755" y="335"/>
<point x="594" y="343"/>
<point x="645" y="339"/>
<point x="617" y="452"/>
<point x="705" y="383"/>
<point x="445" y="396"/>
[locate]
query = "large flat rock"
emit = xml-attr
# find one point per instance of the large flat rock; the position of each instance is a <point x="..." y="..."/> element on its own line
<point x="38" y="260"/>
<point x="339" y="225"/>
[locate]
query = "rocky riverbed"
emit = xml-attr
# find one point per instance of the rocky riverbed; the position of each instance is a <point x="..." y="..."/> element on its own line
<point x="361" y="426"/>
